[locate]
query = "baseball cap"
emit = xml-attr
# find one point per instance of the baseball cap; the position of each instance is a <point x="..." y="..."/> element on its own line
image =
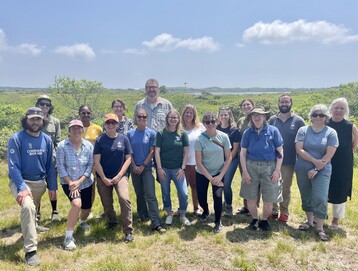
<point x="111" y="117"/>
<point x="34" y="112"/>
<point x="75" y="123"/>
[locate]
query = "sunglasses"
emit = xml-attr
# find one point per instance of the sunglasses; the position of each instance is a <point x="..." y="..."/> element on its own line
<point x="44" y="104"/>
<point x="318" y="115"/>
<point x="208" y="122"/>
<point x="86" y="113"/>
<point x="113" y="122"/>
<point x="142" y="117"/>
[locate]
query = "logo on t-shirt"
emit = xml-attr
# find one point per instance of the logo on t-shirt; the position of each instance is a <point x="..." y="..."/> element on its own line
<point x="177" y="138"/>
<point x="146" y="139"/>
<point x="119" y="145"/>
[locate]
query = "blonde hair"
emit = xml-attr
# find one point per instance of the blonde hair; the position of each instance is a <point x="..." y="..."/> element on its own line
<point x="232" y="123"/>
<point x="195" y="120"/>
<point x="341" y="100"/>
<point x="179" y="128"/>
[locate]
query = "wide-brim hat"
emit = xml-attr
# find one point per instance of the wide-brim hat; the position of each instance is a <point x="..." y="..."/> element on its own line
<point x="43" y="97"/>
<point x="258" y="110"/>
<point x="75" y="123"/>
<point x="111" y="116"/>
<point x="34" y="112"/>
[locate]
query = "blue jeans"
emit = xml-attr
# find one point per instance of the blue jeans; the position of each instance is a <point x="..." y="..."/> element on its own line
<point x="202" y="185"/>
<point x="147" y="204"/>
<point x="229" y="176"/>
<point x="182" y="189"/>
<point x="314" y="193"/>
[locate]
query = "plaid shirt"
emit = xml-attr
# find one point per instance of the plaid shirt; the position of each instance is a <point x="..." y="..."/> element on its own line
<point x="156" y="114"/>
<point x="73" y="164"/>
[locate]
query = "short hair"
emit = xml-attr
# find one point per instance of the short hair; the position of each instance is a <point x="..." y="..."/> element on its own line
<point x="341" y="100"/>
<point x="285" y="95"/>
<point x="195" y="120"/>
<point x="152" y="80"/>
<point x="83" y="106"/>
<point x="24" y="119"/>
<point x="319" y="107"/>
<point x="208" y="116"/>
<point x="51" y="106"/>
<point x="179" y="128"/>
<point x="119" y="101"/>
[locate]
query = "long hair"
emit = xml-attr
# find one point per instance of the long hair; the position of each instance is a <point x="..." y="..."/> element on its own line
<point x="232" y="123"/>
<point x="342" y="100"/>
<point x="195" y="120"/>
<point x="178" y="128"/>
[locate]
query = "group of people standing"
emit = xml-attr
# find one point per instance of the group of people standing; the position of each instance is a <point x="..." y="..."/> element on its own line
<point x="188" y="152"/>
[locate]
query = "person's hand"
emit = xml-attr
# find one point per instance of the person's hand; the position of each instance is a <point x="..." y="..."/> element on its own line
<point x="52" y="194"/>
<point x="319" y="164"/>
<point x="275" y="176"/>
<point x="75" y="193"/>
<point x="180" y="174"/>
<point x="73" y="185"/>
<point x="136" y="170"/>
<point x="107" y="182"/>
<point x="312" y="173"/>
<point x="217" y="181"/>
<point x="161" y="174"/>
<point x="246" y="177"/>
<point x="116" y="179"/>
<point x="20" y="198"/>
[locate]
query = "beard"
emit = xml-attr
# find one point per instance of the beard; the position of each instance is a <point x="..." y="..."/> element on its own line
<point x="34" y="128"/>
<point x="285" y="109"/>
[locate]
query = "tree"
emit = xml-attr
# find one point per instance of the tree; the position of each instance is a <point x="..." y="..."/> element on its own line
<point x="74" y="93"/>
<point x="163" y="89"/>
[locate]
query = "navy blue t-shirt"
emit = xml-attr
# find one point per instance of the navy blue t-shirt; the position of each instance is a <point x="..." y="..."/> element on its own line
<point x="113" y="152"/>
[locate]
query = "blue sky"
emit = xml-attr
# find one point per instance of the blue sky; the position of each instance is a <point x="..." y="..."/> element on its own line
<point x="234" y="43"/>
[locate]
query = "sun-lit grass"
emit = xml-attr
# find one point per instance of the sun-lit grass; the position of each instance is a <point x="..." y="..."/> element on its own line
<point x="182" y="248"/>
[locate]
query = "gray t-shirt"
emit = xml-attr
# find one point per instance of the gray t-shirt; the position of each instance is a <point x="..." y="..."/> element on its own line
<point x="288" y="131"/>
<point x="315" y="144"/>
<point x="212" y="154"/>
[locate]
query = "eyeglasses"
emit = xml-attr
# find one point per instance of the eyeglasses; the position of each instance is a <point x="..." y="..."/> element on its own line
<point x="142" y="117"/>
<point x="111" y="122"/>
<point x="318" y="115"/>
<point x="151" y="87"/>
<point x="44" y="104"/>
<point x="85" y="113"/>
<point x="208" y="122"/>
<point x="173" y="118"/>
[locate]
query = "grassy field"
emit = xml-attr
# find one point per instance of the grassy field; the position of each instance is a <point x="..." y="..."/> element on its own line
<point x="181" y="248"/>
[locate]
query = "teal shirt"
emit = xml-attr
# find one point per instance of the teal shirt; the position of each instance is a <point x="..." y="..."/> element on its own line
<point x="212" y="155"/>
<point x="171" y="148"/>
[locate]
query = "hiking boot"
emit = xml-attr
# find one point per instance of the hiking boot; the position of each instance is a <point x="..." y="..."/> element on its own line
<point x="69" y="243"/>
<point x="159" y="229"/>
<point x="55" y="217"/>
<point x="218" y="227"/>
<point x="204" y="216"/>
<point x="85" y="226"/>
<point x="128" y="238"/>
<point x="32" y="259"/>
<point x="254" y="224"/>
<point x="264" y="225"/>
<point x="228" y="210"/>
<point x="41" y="228"/>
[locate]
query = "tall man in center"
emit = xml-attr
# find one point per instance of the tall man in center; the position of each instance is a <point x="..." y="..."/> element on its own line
<point x="156" y="107"/>
<point x="288" y="124"/>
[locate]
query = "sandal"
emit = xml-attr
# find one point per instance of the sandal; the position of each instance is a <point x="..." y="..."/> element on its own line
<point x="322" y="235"/>
<point x="305" y="226"/>
<point x="334" y="226"/>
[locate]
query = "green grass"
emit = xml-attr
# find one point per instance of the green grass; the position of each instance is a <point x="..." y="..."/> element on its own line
<point x="181" y="248"/>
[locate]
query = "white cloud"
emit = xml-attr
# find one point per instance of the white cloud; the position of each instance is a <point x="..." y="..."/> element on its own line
<point x="134" y="51"/>
<point x="24" y="48"/>
<point x="82" y="50"/>
<point x="279" y="32"/>
<point x="166" y="42"/>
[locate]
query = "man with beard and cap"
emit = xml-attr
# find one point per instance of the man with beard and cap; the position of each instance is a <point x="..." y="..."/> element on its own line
<point x="288" y="124"/>
<point x="31" y="171"/>
<point x="156" y="107"/>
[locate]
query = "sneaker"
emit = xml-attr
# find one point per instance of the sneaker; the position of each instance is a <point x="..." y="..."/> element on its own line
<point x="159" y="229"/>
<point x="228" y="210"/>
<point x="243" y="210"/>
<point x="185" y="221"/>
<point x="90" y="215"/>
<point x="169" y="220"/>
<point x="254" y="224"/>
<point x="85" y="226"/>
<point x="218" y="227"/>
<point x="38" y="216"/>
<point x="197" y="212"/>
<point x="69" y="243"/>
<point x="55" y="217"/>
<point x="283" y="218"/>
<point x="264" y="225"/>
<point x="204" y="216"/>
<point x="41" y="228"/>
<point x="128" y="238"/>
<point x="32" y="259"/>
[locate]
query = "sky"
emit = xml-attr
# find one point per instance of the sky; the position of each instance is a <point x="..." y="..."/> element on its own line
<point x="197" y="43"/>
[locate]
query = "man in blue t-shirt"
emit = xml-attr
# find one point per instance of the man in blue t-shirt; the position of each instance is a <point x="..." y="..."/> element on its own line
<point x="288" y="124"/>
<point x="31" y="171"/>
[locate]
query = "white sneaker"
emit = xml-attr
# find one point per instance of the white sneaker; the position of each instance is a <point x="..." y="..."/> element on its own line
<point x="41" y="228"/>
<point x="185" y="221"/>
<point x="69" y="243"/>
<point x="85" y="226"/>
<point x="90" y="215"/>
<point x="169" y="220"/>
